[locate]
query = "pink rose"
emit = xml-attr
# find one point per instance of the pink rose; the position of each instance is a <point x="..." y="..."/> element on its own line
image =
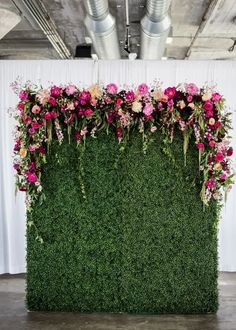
<point x="211" y="183"/>
<point x="55" y="91"/>
<point x="27" y="120"/>
<point x="119" y="102"/>
<point x="52" y="101"/>
<point x="23" y="95"/>
<point x="148" y="109"/>
<point x="35" y="125"/>
<point x="112" y="88"/>
<point x="191" y="89"/>
<point x="143" y="89"/>
<point x="208" y="106"/>
<point x="20" y="106"/>
<point x="36" y="109"/>
<point x="31" y="177"/>
<point x="88" y="113"/>
<point x="209" y="114"/>
<point x="170" y="103"/>
<point x="170" y="92"/>
<point x="219" y="157"/>
<point x="200" y="146"/>
<point x="47" y="116"/>
<point x="70" y="90"/>
<point x="31" y="130"/>
<point x="212" y="143"/>
<point x="216" y="97"/>
<point x="53" y="114"/>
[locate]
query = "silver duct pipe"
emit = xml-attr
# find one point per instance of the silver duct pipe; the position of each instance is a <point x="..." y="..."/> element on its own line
<point x="155" y="27"/>
<point x="101" y="27"/>
<point x="41" y="16"/>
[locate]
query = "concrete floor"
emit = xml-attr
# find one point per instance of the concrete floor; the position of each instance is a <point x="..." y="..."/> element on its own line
<point x="13" y="314"/>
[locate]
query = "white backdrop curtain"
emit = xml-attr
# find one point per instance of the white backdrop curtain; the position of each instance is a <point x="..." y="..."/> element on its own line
<point x="84" y="73"/>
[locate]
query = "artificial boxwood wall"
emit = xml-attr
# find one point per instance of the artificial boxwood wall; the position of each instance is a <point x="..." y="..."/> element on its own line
<point x="141" y="242"/>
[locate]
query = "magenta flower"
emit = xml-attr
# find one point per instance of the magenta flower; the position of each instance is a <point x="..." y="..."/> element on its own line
<point x="52" y="101"/>
<point x="230" y="152"/>
<point x="55" y="91"/>
<point x="143" y="89"/>
<point x="77" y="135"/>
<point x="112" y="88"/>
<point x="223" y="176"/>
<point x="31" y="177"/>
<point x="212" y="143"/>
<point x="211" y="183"/>
<point x="53" y="114"/>
<point x="84" y="97"/>
<point x="189" y="98"/>
<point x="170" y="92"/>
<point x="170" y="103"/>
<point x="119" y="133"/>
<point x="88" y="113"/>
<point x="219" y="157"/>
<point x="35" y="125"/>
<point x="159" y="105"/>
<point x="129" y="96"/>
<point x="200" y="146"/>
<point x="70" y="90"/>
<point x="191" y="89"/>
<point x="31" y="130"/>
<point x="23" y="95"/>
<point x="209" y="114"/>
<point x="20" y="106"/>
<point x="27" y="120"/>
<point x="208" y="106"/>
<point x="216" y="97"/>
<point x="148" y="109"/>
<point x="47" y="116"/>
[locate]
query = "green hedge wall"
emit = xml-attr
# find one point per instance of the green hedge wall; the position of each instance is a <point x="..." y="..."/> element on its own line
<point x="141" y="241"/>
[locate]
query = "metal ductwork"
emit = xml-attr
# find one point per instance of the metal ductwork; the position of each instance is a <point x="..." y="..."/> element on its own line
<point x="155" y="27"/>
<point x="101" y="27"/>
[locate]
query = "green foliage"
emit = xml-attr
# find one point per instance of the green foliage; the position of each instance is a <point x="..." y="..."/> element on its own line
<point x="140" y="242"/>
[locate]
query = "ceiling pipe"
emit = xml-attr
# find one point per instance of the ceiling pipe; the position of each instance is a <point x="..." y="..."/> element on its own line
<point x="155" y="26"/>
<point x="101" y="27"/>
<point x="38" y="11"/>
<point x="9" y="20"/>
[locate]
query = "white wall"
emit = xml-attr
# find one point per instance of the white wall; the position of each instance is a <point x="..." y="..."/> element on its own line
<point x="84" y="73"/>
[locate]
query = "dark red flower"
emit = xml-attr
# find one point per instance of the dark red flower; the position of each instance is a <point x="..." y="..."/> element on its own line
<point x="119" y="133"/>
<point x="77" y="135"/>
<point x="230" y="152"/>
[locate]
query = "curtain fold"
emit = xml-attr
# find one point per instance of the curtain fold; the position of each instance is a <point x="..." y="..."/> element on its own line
<point x="84" y="73"/>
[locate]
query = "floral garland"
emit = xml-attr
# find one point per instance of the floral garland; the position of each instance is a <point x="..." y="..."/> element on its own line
<point x="44" y="114"/>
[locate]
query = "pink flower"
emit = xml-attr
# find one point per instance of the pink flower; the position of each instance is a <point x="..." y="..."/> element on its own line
<point x="170" y="92"/>
<point x="31" y="130"/>
<point x="189" y="98"/>
<point x="191" y="89"/>
<point x="119" y="133"/>
<point x="212" y="143"/>
<point x="31" y="177"/>
<point x="148" y="109"/>
<point x="53" y="114"/>
<point x="219" y="157"/>
<point x="159" y="105"/>
<point x="43" y="96"/>
<point x="230" y="152"/>
<point x="77" y="135"/>
<point x="23" y="95"/>
<point x="208" y="106"/>
<point x="52" y="101"/>
<point x="110" y="118"/>
<point x="32" y="148"/>
<point x="36" y="109"/>
<point x="20" y="106"/>
<point x="200" y="146"/>
<point x="216" y="97"/>
<point x="70" y="90"/>
<point x="211" y="183"/>
<point x="84" y="97"/>
<point x="118" y="102"/>
<point x="143" y="89"/>
<point x="112" y="88"/>
<point x="27" y="120"/>
<point x="88" y="113"/>
<point x="55" y="91"/>
<point x="47" y="116"/>
<point x="129" y="96"/>
<point x="209" y="114"/>
<point x="170" y="103"/>
<point x="35" y="125"/>
<point x="223" y="176"/>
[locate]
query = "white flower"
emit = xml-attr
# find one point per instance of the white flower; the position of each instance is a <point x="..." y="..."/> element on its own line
<point x="137" y="106"/>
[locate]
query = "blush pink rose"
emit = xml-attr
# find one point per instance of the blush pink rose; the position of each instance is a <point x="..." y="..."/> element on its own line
<point x="192" y="89"/>
<point x="36" y="109"/>
<point x="70" y="90"/>
<point x="143" y="89"/>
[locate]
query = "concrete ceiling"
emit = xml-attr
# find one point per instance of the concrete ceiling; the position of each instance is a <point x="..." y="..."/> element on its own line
<point x="199" y="30"/>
